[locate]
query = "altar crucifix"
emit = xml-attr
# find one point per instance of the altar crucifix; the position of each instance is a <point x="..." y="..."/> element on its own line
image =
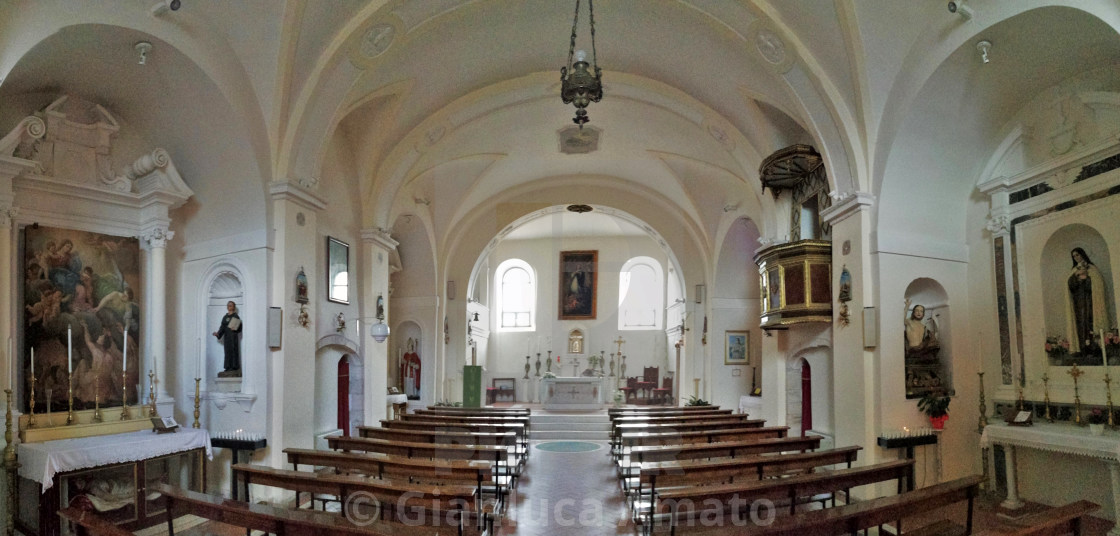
<point x="619" y="342"/>
<point x="574" y="362"/>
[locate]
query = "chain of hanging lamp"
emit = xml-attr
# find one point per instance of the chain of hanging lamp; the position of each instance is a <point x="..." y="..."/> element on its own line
<point x="577" y="85"/>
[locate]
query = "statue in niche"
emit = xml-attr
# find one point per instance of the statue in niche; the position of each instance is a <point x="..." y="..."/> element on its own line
<point x="921" y="338"/>
<point x="1086" y="314"/>
<point x="410" y="371"/>
<point x="230" y="336"/>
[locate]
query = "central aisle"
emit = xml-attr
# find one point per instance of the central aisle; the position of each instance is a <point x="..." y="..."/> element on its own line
<point x="562" y="493"/>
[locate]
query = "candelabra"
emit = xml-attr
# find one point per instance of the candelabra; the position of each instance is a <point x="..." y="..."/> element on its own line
<point x="124" y="397"/>
<point x="1022" y="382"/>
<point x="983" y="407"/>
<point x="526" y="368"/>
<point x="622" y="368"/>
<point x="538" y="374"/>
<point x="197" y="399"/>
<point x="152" y="395"/>
<point x="31" y="415"/>
<point x="1046" y="396"/>
<point x="70" y="396"/>
<point x="612" y="365"/>
<point x="1075" y="373"/>
<point x="548" y="368"/>
<point x="11" y="465"/>
<point x="602" y="361"/>
<point x="1108" y="392"/>
<point x="96" y="400"/>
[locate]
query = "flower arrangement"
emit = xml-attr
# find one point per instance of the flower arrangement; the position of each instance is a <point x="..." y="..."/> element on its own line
<point x="1096" y="416"/>
<point x="1057" y="346"/>
<point x="694" y="401"/>
<point x="934" y="405"/>
<point x="548" y="374"/>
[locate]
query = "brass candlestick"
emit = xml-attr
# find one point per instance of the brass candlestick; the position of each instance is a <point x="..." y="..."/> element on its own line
<point x="983" y="408"/>
<point x="1046" y="395"/>
<point x="549" y="362"/>
<point x="1075" y="373"/>
<point x="527" y="367"/>
<point x="11" y="465"/>
<point x="97" y="400"/>
<point x="538" y="365"/>
<point x="70" y="396"/>
<point x="124" y="397"/>
<point x="197" y="399"/>
<point x="31" y="416"/>
<point x="1108" y="392"/>
<point x="152" y="395"/>
<point x="612" y="365"/>
<point x="1022" y="382"/>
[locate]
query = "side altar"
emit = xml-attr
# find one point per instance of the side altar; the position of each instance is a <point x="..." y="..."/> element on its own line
<point x="572" y="393"/>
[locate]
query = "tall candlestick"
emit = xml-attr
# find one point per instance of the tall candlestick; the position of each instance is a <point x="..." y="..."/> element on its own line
<point x="1104" y="354"/>
<point x="32" y="360"/>
<point x="12" y="359"/>
<point x="69" y="351"/>
<point x="198" y="361"/>
<point x="124" y="358"/>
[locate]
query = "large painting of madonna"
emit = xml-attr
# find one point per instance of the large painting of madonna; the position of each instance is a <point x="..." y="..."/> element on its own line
<point x="578" y="277"/>
<point x="79" y="289"/>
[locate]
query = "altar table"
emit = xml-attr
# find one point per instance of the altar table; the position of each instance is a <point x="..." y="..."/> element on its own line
<point x="1060" y="438"/>
<point x="572" y="393"/>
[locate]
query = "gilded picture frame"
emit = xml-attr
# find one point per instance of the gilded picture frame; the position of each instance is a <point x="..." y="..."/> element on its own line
<point x="737" y="347"/>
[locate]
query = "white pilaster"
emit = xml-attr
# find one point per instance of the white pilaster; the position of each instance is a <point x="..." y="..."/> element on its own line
<point x="155" y="239"/>
<point x="375" y="282"/>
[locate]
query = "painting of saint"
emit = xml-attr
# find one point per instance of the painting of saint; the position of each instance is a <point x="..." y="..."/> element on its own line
<point x="578" y="277"/>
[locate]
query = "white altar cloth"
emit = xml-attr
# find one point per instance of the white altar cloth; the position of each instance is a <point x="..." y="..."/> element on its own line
<point x="572" y="393"/>
<point x="41" y="461"/>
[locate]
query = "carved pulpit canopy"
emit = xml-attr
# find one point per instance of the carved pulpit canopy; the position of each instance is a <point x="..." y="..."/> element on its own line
<point x="62" y="166"/>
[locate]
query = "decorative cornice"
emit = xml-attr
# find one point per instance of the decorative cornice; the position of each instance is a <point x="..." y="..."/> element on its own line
<point x="286" y="191"/>
<point x="844" y="204"/>
<point x="8" y="213"/>
<point x="379" y="237"/>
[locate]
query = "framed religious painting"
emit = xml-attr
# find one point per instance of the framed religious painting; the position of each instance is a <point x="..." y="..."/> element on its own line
<point x="338" y="270"/>
<point x="737" y="348"/>
<point x="579" y="272"/>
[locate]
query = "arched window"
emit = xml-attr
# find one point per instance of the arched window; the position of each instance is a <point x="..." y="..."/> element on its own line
<point x="641" y="294"/>
<point x="516" y="295"/>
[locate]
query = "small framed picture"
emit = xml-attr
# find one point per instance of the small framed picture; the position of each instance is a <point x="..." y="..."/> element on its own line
<point x="737" y="348"/>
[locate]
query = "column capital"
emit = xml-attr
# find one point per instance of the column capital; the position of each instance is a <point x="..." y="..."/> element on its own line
<point x="287" y="191"/>
<point x="8" y="213"/>
<point x="845" y="204"/>
<point x="157" y="237"/>
<point x="999" y="224"/>
<point x="379" y="236"/>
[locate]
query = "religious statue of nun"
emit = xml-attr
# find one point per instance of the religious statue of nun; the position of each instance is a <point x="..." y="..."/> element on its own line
<point x="1086" y="313"/>
<point x="229" y="334"/>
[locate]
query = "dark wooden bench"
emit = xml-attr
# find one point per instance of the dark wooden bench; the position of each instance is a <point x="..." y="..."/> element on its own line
<point x="452" y="410"/>
<point x="620" y="428"/>
<point x="657" y="409"/>
<point x="86" y="523"/>
<point x="851" y="518"/>
<point x="643" y="439"/>
<point x="388" y="500"/>
<point x="1057" y="521"/>
<point x="663" y="475"/>
<point x="287" y="521"/>
<point x="409" y="470"/>
<point x="510" y="436"/>
<point x="506" y="470"/>
<point x="685" y="504"/>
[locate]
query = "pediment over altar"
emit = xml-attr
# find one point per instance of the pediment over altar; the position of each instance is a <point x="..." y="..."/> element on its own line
<point x="57" y="166"/>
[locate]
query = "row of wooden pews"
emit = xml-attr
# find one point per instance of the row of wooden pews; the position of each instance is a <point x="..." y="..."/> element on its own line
<point x="700" y="471"/>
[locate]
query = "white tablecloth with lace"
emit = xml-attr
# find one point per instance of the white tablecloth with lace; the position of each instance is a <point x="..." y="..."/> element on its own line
<point x="1060" y="438"/>
<point x="41" y="461"/>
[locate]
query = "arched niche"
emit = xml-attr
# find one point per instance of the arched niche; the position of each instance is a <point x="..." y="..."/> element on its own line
<point x="226" y="286"/>
<point x="928" y="361"/>
<point x="411" y="364"/>
<point x="1056" y="268"/>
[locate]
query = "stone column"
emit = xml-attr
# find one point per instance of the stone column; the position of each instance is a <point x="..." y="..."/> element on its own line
<point x="375" y="282"/>
<point x="1012" y="502"/>
<point x="155" y="322"/>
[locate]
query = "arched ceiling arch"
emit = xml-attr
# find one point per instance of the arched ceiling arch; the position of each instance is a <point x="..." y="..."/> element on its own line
<point x="960" y="114"/>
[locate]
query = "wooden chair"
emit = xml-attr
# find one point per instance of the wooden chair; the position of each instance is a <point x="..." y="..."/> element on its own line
<point x="664" y="394"/>
<point x="649" y="381"/>
<point x="631" y="389"/>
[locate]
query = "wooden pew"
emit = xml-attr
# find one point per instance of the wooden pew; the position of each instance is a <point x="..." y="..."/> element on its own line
<point x="505" y="472"/>
<point x="669" y="413"/>
<point x="277" y="520"/>
<point x="848" y="519"/>
<point x="1057" y="521"/>
<point x="86" y="523"/>
<point x="393" y="501"/>
<point x="685" y="503"/>
<point x="641" y="439"/>
<point x="466" y="434"/>
<point x="446" y="420"/>
<point x="657" y="409"/>
<point x="411" y="470"/>
<point x="719" y="424"/>
<point x="730" y="449"/>
<point x="662" y="475"/>
<point x="451" y="410"/>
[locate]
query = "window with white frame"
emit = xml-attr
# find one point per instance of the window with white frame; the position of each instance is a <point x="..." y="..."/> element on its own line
<point x="641" y="294"/>
<point x="516" y="295"/>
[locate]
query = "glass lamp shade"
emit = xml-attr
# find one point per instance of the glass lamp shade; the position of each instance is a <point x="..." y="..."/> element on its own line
<point x="379" y="331"/>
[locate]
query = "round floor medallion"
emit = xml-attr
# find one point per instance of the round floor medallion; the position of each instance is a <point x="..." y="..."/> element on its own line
<point x="568" y="446"/>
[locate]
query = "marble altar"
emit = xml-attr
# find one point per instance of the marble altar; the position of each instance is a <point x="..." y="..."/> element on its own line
<point x="572" y="393"/>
